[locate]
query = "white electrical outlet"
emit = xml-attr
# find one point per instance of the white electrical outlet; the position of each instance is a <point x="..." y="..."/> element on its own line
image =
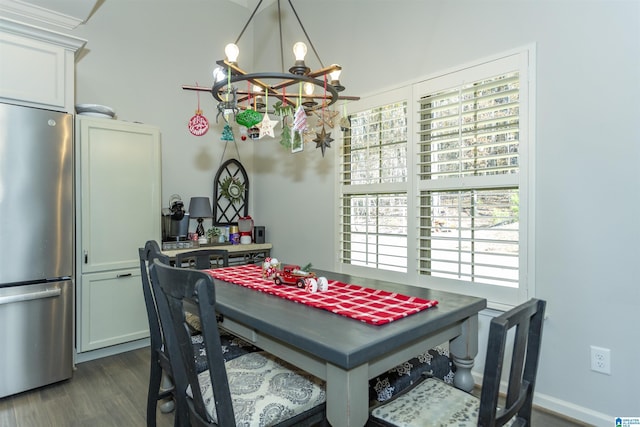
<point x="601" y="360"/>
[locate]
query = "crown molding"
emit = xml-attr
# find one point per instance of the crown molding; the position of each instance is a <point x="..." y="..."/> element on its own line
<point x="66" y="15"/>
<point x="19" y="28"/>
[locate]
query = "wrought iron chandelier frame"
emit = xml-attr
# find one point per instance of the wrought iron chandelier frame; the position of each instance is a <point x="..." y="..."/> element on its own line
<point x="299" y="73"/>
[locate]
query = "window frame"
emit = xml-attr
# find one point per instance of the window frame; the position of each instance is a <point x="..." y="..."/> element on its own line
<point x="498" y="297"/>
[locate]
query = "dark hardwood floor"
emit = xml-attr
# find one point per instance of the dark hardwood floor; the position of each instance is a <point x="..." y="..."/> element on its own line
<point x="112" y="392"/>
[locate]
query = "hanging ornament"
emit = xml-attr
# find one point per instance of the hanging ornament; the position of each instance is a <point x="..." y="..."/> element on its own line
<point x="198" y="124"/>
<point x="326" y="117"/>
<point x="297" y="142"/>
<point x="283" y="110"/>
<point x="285" y="137"/>
<point x="248" y="118"/>
<point x="227" y="133"/>
<point x="266" y="126"/>
<point x="300" y="120"/>
<point x="228" y="107"/>
<point x="243" y="132"/>
<point x="253" y="133"/>
<point x="323" y="140"/>
<point x="309" y="134"/>
<point x="345" y="123"/>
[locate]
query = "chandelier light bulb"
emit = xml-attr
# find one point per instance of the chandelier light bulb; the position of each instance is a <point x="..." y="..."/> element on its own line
<point x="257" y="89"/>
<point x="300" y="51"/>
<point x="335" y="78"/>
<point x="232" y="52"/>
<point x="308" y="88"/>
<point x="219" y="74"/>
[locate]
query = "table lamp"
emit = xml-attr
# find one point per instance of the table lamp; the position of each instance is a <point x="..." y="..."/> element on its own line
<point x="200" y="207"/>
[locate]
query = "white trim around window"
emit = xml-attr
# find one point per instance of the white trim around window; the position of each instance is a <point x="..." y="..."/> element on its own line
<point x="497" y="187"/>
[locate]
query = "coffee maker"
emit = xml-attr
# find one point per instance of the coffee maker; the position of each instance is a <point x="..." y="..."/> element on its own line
<point x="175" y="221"/>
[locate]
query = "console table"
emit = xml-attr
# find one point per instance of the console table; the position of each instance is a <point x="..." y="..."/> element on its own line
<point x="252" y="253"/>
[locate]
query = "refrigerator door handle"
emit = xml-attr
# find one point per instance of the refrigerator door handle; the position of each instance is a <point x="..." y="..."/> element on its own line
<point x="49" y="293"/>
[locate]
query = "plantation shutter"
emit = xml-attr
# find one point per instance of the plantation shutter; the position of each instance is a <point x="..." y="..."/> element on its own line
<point x="373" y="203"/>
<point x="468" y="179"/>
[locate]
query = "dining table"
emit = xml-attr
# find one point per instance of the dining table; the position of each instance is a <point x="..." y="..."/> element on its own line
<point x="346" y="352"/>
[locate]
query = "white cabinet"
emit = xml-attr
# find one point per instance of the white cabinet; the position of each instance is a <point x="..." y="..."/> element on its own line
<point x="119" y="205"/>
<point x="112" y="309"/>
<point x="37" y="66"/>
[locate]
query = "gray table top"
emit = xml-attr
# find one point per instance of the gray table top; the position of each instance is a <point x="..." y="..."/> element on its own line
<point x="343" y="341"/>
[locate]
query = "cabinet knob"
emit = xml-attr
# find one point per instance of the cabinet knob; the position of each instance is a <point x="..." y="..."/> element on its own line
<point x="123" y="275"/>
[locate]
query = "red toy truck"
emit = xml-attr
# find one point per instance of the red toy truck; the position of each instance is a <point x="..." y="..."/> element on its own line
<point x="291" y="274"/>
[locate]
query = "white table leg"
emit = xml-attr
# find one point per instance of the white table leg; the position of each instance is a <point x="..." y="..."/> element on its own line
<point x="464" y="349"/>
<point x="347" y="396"/>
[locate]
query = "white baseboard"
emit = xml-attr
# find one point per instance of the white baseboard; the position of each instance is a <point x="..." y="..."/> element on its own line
<point x="110" y="351"/>
<point x="566" y="409"/>
<point x="571" y="410"/>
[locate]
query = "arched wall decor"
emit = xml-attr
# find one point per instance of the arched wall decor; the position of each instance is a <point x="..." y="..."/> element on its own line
<point x="230" y="193"/>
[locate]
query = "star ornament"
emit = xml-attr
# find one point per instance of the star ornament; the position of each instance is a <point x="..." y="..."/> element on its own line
<point x="266" y="126"/>
<point x="323" y="140"/>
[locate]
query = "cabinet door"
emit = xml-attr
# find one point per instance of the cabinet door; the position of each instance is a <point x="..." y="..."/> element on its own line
<point x="32" y="71"/>
<point x="113" y="310"/>
<point x="120" y="192"/>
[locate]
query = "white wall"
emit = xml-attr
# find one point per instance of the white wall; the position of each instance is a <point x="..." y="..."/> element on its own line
<point x="139" y="55"/>
<point x="587" y="142"/>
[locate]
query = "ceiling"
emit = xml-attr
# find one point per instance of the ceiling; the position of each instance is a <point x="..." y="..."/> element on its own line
<point x="68" y="14"/>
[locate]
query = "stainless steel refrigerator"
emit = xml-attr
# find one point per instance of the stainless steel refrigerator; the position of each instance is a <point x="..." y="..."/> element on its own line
<point x="36" y="247"/>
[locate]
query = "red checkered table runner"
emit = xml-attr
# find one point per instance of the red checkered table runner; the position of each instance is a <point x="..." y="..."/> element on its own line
<point x="373" y="306"/>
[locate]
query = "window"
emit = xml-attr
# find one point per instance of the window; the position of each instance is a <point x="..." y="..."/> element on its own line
<point x="434" y="184"/>
<point x="374" y="166"/>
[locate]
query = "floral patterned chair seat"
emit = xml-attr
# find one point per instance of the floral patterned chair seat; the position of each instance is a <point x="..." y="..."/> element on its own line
<point x="435" y="362"/>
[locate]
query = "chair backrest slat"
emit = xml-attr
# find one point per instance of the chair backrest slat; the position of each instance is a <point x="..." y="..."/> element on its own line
<point x="147" y="255"/>
<point x="526" y="320"/>
<point x="201" y="258"/>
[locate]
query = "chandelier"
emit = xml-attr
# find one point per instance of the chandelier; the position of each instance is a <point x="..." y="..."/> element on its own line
<point x="274" y="91"/>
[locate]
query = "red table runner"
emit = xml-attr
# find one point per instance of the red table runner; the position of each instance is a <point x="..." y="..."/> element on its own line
<point x="373" y="306"/>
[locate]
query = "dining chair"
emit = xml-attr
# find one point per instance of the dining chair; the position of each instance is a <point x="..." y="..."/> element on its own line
<point x="160" y="377"/>
<point x="202" y="259"/>
<point x="431" y="402"/>
<point x="159" y="367"/>
<point x="255" y="389"/>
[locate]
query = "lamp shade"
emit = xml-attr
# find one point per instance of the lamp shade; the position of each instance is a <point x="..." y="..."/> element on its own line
<point x="200" y="207"/>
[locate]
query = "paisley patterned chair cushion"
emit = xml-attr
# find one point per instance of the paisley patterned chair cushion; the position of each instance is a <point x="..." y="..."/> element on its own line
<point x="430" y="403"/>
<point x="264" y="390"/>
<point x="232" y="347"/>
<point x="435" y="362"/>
